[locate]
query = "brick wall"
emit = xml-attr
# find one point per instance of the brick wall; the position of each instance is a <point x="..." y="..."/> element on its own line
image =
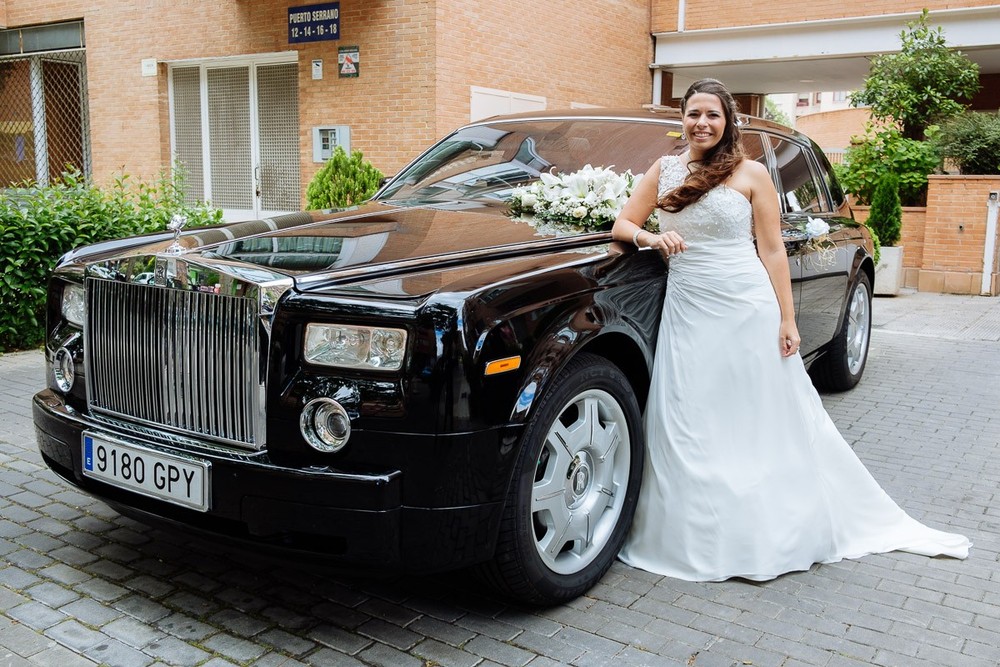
<point x="706" y="14"/>
<point x="128" y="112"/>
<point x="418" y="61"/>
<point x="833" y="129"/>
<point x="943" y="242"/>
<point x="911" y="238"/>
<point x="390" y="105"/>
<point x="956" y="233"/>
<point x="586" y="51"/>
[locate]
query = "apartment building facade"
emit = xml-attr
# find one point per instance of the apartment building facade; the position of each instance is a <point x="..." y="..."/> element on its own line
<point x="249" y="96"/>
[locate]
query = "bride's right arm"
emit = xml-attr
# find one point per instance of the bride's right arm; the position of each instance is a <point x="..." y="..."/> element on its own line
<point x="637" y="209"/>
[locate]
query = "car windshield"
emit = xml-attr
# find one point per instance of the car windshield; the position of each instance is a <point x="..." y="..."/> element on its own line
<point x="487" y="161"/>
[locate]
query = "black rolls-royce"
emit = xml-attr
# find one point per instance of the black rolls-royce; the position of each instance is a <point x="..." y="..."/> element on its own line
<point x="442" y="377"/>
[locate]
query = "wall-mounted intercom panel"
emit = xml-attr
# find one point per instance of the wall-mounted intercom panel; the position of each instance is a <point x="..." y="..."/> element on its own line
<point x="327" y="137"/>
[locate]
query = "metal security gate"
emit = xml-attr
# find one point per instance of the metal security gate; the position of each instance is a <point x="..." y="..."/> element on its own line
<point x="44" y="128"/>
<point x="235" y="133"/>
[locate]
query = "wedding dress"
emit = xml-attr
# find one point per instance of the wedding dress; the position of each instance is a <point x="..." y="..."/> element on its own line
<point x="746" y="475"/>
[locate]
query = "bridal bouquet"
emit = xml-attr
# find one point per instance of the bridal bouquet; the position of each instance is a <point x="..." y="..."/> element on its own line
<point x="586" y="200"/>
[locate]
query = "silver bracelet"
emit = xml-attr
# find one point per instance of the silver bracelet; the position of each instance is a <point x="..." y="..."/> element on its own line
<point x="635" y="237"/>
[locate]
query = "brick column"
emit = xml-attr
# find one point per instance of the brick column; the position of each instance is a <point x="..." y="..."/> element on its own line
<point x="955" y="234"/>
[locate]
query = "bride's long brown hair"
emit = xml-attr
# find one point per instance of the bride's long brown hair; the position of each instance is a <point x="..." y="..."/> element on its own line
<point x="720" y="162"/>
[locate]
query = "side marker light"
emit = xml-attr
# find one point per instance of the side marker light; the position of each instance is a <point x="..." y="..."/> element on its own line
<point x="503" y="365"/>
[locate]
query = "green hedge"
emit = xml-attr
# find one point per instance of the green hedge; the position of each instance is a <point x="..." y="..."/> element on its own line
<point x="40" y="224"/>
<point x="972" y="141"/>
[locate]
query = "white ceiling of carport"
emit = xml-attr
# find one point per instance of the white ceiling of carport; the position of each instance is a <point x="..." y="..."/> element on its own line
<point x="814" y="55"/>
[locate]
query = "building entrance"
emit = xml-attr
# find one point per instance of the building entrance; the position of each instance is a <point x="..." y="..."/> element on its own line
<point x="235" y="133"/>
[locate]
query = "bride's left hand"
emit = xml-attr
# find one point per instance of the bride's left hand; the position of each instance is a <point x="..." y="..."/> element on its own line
<point x="788" y="339"/>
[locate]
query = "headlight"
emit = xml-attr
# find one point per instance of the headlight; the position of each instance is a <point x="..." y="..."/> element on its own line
<point x="355" y="347"/>
<point x="74" y="307"/>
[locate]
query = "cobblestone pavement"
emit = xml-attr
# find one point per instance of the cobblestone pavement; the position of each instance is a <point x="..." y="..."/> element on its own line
<point x="81" y="585"/>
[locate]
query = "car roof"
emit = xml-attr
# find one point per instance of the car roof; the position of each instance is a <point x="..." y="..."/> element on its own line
<point x="648" y="112"/>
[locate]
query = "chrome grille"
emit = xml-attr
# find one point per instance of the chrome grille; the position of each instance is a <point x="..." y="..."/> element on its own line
<point x="183" y="360"/>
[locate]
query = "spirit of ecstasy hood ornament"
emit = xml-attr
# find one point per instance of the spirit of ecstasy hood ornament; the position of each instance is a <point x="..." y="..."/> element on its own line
<point x="175" y="225"/>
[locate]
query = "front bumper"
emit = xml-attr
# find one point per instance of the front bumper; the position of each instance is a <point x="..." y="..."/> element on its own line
<point x="347" y="517"/>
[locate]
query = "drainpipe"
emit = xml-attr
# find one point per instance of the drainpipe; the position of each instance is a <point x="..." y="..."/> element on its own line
<point x="990" y="247"/>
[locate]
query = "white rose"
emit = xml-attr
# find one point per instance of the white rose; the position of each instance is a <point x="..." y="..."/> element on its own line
<point x="579" y="212"/>
<point x="816" y="227"/>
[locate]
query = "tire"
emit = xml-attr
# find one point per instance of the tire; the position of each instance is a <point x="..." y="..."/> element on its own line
<point x="574" y="488"/>
<point x="844" y="362"/>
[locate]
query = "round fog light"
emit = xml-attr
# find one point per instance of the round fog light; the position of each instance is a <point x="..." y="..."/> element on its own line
<point x="325" y="425"/>
<point x="63" y="370"/>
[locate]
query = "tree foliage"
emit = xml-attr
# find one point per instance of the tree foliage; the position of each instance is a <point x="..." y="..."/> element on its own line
<point x="922" y="85"/>
<point x="343" y="181"/>
<point x="972" y="142"/>
<point x="773" y="112"/>
<point x="885" y="150"/>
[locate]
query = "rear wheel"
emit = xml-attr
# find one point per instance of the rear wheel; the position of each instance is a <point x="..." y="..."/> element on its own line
<point x="574" y="489"/>
<point x="844" y="362"/>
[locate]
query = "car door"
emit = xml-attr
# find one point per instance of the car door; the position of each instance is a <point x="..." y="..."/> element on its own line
<point x="758" y="147"/>
<point x="821" y="265"/>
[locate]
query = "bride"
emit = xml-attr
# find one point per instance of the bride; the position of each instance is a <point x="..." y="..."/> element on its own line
<point x="746" y="474"/>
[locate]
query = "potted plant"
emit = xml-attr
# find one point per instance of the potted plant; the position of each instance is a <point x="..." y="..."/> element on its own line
<point x="885" y="220"/>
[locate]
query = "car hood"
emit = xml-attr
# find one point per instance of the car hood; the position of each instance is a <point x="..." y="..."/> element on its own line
<point x="321" y="249"/>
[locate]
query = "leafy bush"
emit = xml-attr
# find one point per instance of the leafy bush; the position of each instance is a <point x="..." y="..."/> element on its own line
<point x="884" y="150"/>
<point x="343" y="181"/>
<point x="40" y="224"/>
<point x="972" y="142"/>
<point x="876" y="244"/>
<point x="886" y="214"/>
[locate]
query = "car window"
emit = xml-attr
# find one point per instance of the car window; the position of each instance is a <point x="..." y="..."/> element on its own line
<point x="799" y="188"/>
<point x="833" y="186"/>
<point x="753" y="146"/>
<point x="487" y="161"/>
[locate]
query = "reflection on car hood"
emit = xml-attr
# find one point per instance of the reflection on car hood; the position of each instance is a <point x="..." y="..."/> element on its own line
<point x="318" y="248"/>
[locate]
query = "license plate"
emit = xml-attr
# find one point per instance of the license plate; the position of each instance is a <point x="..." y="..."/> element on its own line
<point x="175" y="479"/>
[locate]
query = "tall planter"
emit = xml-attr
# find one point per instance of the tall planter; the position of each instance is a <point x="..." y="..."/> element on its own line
<point x="889" y="271"/>
<point x="885" y="219"/>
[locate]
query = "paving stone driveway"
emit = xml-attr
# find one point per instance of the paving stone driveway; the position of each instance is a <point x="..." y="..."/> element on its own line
<point x="81" y="585"/>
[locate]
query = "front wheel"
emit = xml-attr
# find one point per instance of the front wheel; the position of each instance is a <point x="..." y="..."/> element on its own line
<point x="575" y="486"/>
<point x="843" y="364"/>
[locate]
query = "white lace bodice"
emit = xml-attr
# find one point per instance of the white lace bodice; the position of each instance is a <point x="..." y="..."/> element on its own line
<point x="722" y="214"/>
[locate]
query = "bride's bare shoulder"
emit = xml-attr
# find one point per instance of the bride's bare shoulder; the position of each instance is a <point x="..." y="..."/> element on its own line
<point x="752" y="168"/>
